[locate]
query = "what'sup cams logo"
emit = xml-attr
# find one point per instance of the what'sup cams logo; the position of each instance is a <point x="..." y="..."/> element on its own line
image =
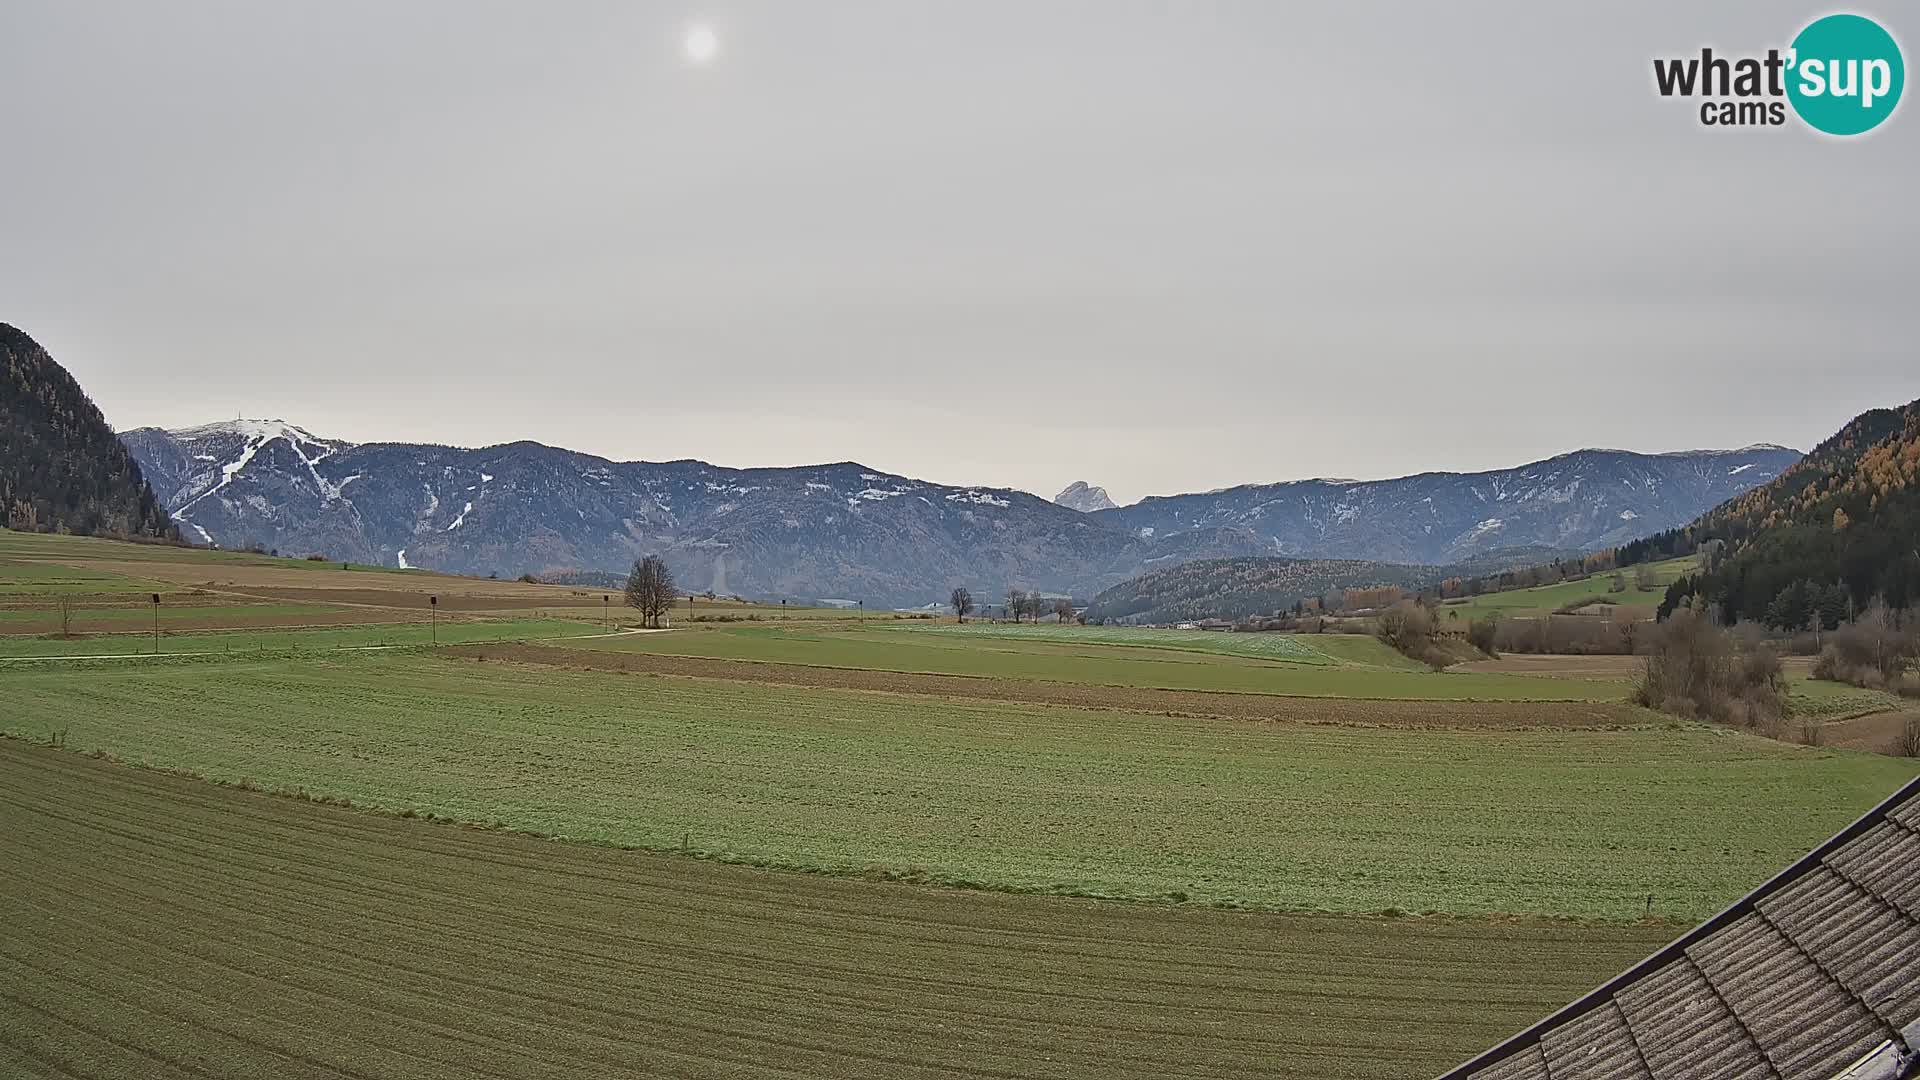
<point x="1842" y="75"/>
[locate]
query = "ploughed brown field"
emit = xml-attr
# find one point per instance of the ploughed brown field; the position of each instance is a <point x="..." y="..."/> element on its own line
<point x="157" y="926"/>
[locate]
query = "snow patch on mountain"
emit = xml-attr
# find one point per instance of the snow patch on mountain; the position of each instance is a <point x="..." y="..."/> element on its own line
<point x="978" y="498"/>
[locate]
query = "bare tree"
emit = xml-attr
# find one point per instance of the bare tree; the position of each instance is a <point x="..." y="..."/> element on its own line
<point x="66" y="617"/>
<point x="962" y="602"/>
<point x="650" y="589"/>
<point x="1016" y="603"/>
<point x="1627" y="621"/>
<point x="1063" y="609"/>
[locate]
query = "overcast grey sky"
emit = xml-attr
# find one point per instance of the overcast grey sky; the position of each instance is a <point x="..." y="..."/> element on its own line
<point x="1156" y="246"/>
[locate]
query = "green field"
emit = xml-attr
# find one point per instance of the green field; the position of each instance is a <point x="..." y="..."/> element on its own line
<point x="1022" y="655"/>
<point x="1545" y="599"/>
<point x="1286" y="647"/>
<point x="281" y="639"/>
<point x="164" y="928"/>
<point x="1009" y="797"/>
<point x="1818" y="698"/>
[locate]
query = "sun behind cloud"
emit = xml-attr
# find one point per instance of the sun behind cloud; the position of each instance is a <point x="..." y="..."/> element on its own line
<point x="701" y="44"/>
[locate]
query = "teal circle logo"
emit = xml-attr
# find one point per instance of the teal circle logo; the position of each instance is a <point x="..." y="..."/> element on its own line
<point x="1845" y="74"/>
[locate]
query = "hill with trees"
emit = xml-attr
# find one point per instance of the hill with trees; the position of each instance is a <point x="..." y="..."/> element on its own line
<point x="62" y="468"/>
<point x="1831" y="534"/>
<point x="1233" y="588"/>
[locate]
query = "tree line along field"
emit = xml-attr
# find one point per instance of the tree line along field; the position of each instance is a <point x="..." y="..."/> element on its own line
<point x="169" y="928"/>
<point x="991" y="795"/>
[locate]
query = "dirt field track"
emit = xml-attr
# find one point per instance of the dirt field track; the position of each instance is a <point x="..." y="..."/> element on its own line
<point x="1592" y="667"/>
<point x="1876" y="732"/>
<point x="160" y="927"/>
<point x="1346" y="712"/>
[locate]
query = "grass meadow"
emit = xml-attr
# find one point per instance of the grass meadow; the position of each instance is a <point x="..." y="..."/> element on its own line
<point x="981" y="794"/>
<point x="1546" y="599"/>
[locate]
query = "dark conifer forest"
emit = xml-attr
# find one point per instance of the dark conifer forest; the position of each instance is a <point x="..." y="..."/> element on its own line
<point x="62" y="468"/>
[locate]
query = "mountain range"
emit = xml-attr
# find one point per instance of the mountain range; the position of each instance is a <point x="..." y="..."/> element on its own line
<point x="1584" y="500"/>
<point x="849" y="531"/>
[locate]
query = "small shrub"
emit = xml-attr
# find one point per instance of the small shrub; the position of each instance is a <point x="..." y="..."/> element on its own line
<point x="1813" y="732"/>
<point x="1910" y="737"/>
<point x="1407" y="628"/>
<point x="317" y="557"/>
<point x="1827" y="666"/>
<point x="1482" y="632"/>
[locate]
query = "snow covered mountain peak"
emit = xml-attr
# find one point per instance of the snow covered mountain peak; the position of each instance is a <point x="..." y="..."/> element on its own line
<point x="257" y="430"/>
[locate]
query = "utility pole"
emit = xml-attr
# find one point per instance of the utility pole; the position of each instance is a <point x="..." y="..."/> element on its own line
<point x="863" y="610"/>
<point x="606" y="612"/>
<point x="156" y="624"/>
<point x="433" y="618"/>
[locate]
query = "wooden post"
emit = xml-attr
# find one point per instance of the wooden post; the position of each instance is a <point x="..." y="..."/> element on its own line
<point x="433" y="618"/>
<point x="156" y="624"/>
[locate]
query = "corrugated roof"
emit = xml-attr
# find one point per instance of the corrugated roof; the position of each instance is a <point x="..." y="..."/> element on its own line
<point x="1815" y="975"/>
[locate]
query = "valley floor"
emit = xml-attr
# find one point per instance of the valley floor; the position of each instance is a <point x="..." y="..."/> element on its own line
<point x="779" y="842"/>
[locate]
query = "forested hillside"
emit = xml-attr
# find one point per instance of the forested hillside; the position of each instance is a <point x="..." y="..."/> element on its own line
<point x="62" y="469"/>
<point x="1231" y="588"/>
<point x="1841" y="526"/>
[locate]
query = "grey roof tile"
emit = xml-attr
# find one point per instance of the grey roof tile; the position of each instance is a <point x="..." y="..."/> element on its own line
<point x="1596" y="1046"/>
<point x="1801" y="1018"/>
<point x="1870" y="947"/>
<point x="1686" y="1031"/>
<point x="1885" y="860"/>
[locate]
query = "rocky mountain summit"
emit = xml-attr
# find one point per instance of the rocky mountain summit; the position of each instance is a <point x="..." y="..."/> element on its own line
<point x="1078" y="496"/>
